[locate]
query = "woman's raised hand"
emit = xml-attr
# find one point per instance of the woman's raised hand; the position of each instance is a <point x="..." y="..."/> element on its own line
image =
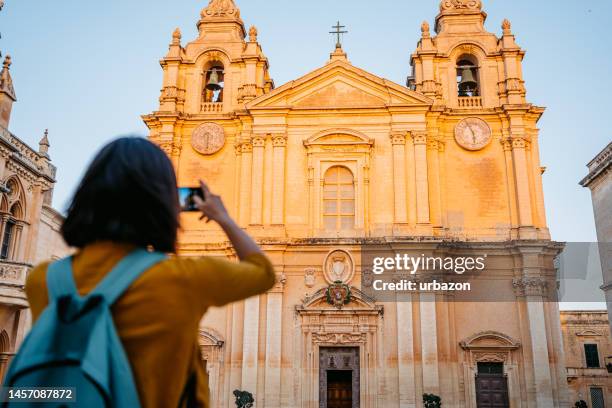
<point x="211" y="206"/>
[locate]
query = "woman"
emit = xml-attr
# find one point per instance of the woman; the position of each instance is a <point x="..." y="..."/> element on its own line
<point x="128" y="199"/>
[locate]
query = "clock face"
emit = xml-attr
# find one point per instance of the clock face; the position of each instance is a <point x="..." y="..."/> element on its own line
<point x="208" y="138"/>
<point x="473" y="133"/>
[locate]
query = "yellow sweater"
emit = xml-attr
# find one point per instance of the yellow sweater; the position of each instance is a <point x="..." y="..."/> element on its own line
<point x="158" y="317"/>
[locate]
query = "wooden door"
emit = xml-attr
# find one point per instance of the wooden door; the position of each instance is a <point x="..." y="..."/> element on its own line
<point x="339" y="377"/>
<point x="340" y="389"/>
<point x="492" y="391"/>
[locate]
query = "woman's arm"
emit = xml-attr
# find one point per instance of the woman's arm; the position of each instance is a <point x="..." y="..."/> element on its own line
<point x="218" y="281"/>
<point x="213" y="209"/>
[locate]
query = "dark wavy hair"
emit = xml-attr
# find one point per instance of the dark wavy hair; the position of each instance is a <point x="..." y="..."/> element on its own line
<point x="128" y="195"/>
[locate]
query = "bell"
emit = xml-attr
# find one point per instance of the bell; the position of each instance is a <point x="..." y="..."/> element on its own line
<point x="468" y="83"/>
<point x="213" y="81"/>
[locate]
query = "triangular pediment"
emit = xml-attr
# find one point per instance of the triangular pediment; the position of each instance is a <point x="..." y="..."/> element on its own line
<point x="339" y="85"/>
<point x="340" y="93"/>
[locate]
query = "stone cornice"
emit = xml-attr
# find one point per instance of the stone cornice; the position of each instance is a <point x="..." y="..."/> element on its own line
<point x="599" y="166"/>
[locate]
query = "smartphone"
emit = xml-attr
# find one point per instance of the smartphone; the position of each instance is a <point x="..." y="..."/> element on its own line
<point x="186" y="195"/>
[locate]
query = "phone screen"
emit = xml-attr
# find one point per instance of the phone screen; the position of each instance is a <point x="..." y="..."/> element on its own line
<point x="186" y="195"/>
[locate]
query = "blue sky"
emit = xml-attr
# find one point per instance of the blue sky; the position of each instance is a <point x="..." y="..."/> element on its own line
<point x="87" y="71"/>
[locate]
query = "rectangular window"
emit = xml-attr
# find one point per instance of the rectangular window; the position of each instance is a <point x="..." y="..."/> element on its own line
<point x="597" y="397"/>
<point x="591" y="355"/>
<point x="6" y="239"/>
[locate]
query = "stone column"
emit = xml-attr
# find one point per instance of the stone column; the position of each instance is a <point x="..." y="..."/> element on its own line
<point x="250" y="345"/>
<point x="531" y="291"/>
<point x="411" y="188"/>
<point x="272" y="398"/>
<point x="311" y="199"/>
<point x="235" y="349"/>
<point x="4" y="363"/>
<point x="257" y="180"/>
<point x="279" y="143"/>
<point x="429" y="342"/>
<point x="405" y="352"/>
<point x="246" y="150"/>
<point x="507" y="146"/>
<point x="522" y="184"/>
<point x="537" y="177"/>
<point x="422" y="187"/>
<point x="398" y="141"/>
<point x="5" y="218"/>
<point x="16" y="249"/>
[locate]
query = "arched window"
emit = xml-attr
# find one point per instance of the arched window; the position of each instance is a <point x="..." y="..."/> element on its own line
<point x="468" y="83"/>
<point x="214" y="83"/>
<point x="9" y="231"/>
<point x="338" y="199"/>
<point x="11" y="228"/>
<point x="7" y="238"/>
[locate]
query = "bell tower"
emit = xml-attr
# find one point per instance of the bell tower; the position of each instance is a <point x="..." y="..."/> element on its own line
<point x="465" y="66"/>
<point x="475" y="79"/>
<point x="210" y="78"/>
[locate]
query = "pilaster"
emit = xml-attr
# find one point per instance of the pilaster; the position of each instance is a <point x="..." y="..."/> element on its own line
<point x="246" y="168"/>
<point x="522" y="182"/>
<point x="250" y="345"/>
<point x="405" y="353"/>
<point x="279" y="143"/>
<point x="274" y="310"/>
<point x="398" y="142"/>
<point x="421" y="177"/>
<point x="257" y="174"/>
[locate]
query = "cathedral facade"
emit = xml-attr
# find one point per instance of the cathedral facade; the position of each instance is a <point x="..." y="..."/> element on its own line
<point x="341" y="159"/>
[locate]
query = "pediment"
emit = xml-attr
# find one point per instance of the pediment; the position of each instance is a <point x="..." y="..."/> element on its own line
<point x="589" y="332"/>
<point x="339" y="137"/>
<point x="341" y="94"/>
<point x="359" y="302"/>
<point x="339" y="85"/>
<point x="489" y="340"/>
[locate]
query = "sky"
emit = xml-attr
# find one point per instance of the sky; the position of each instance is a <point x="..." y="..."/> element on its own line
<point x="87" y="70"/>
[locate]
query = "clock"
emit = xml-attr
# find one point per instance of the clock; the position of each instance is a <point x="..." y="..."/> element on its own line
<point x="208" y="138"/>
<point x="472" y="133"/>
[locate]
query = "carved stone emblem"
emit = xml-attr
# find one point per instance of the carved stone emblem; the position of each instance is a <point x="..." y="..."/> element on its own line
<point x="208" y="138"/>
<point x="309" y="277"/>
<point x="367" y="278"/>
<point x="338" y="294"/>
<point x="338" y="266"/>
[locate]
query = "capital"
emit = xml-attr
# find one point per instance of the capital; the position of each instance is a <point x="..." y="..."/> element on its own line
<point x="398" y="139"/>
<point x="279" y="140"/>
<point x="419" y="137"/>
<point x="246" y="147"/>
<point x="258" y="141"/>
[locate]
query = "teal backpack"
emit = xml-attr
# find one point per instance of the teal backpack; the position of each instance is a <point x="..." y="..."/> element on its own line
<point x="74" y="345"/>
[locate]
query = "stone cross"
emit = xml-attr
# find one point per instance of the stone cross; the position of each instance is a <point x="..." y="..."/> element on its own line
<point x="338" y="33"/>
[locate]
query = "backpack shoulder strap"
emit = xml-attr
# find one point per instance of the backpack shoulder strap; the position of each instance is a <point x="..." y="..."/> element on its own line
<point x="126" y="272"/>
<point x="60" y="281"/>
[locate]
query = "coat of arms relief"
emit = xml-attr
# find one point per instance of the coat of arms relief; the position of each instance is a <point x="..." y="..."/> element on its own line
<point x="339" y="267"/>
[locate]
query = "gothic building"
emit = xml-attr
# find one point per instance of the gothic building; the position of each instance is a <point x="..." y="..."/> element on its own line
<point x="341" y="159"/>
<point x="29" y="226"/>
